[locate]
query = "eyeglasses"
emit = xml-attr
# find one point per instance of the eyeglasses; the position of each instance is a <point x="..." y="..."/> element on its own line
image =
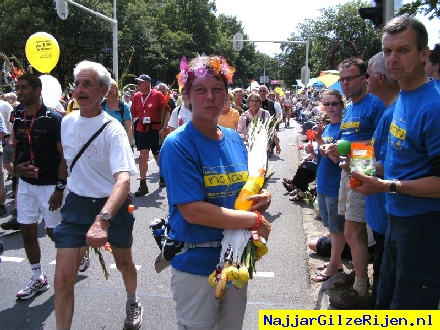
<point x="351" y="78"/>
<point x="333" y="104"/>
<point x="254" y="100"/>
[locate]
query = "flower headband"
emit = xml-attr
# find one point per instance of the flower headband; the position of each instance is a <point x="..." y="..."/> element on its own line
<point x="200" y="69"/>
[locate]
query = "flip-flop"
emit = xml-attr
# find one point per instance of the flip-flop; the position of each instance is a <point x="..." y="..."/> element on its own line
<point x="320" y="277"/>
<point x="325" y="265"/>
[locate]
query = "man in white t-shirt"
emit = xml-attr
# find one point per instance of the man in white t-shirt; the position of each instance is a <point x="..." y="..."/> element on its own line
<point x="97" y="207"/>
<point x="181" y="114"/>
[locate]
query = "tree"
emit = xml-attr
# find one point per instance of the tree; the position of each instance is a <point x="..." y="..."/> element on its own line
<point x="340" y="25"/>
<point x="428" y="7"/>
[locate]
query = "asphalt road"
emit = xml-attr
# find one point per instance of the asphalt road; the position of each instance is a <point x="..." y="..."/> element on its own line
<point x="282" y="281"/>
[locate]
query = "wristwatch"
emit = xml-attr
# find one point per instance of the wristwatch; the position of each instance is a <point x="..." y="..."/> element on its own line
<point x="393" y="187"/>
<point x="105" y="216"/>
<point x="60" y="186"/>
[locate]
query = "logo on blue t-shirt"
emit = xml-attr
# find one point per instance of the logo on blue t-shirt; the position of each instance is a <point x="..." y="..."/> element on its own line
<point x="397" y="134"/>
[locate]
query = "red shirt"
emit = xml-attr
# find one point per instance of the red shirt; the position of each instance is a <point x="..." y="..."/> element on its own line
<point x="148" y="106"/>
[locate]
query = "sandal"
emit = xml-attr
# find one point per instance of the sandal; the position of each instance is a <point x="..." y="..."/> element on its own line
<point x="320" y="277"/>
<point x="325" y="265"/>
<point x="289" y="186"/>
<point x="293" y="192"/>
<point x="296" y="198"/>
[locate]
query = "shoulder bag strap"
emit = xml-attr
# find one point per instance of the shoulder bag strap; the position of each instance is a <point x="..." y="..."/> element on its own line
<point x="87" y="144"/>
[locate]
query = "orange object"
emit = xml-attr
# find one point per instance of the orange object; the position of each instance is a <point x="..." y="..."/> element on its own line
<point x="252" y="187"/>
<point x="131" y="208"/>
<point x="354" y="183"/>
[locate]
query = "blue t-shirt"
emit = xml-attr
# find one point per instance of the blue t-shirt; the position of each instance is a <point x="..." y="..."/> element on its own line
<point x="117" y="114"/>
<point x="328" y="175"/>
<point x="375" y="212"/>
<point x="413" y="139"/>
<point x="45" y="134"/>
<point x="360" y="119"/>
<point x="197" y="168"/>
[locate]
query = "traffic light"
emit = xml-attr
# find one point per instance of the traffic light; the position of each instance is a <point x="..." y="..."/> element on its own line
<point x="374" y="14"/>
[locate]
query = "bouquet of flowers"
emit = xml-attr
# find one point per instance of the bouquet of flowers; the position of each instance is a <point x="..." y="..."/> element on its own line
<point x="241" y="247"/>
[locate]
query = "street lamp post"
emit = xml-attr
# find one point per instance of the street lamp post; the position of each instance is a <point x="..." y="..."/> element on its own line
<point x="114" y="23"/>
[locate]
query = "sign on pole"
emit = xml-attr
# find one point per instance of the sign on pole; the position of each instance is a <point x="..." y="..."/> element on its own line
<point x="305" y="75"/>
<point x="62" y="9"/>
<point x="237" y="41"/>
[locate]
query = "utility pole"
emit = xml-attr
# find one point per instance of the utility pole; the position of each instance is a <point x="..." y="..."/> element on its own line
<point x="61" y="6"/>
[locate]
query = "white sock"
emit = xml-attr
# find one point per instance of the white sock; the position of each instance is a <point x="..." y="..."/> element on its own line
<point x="37" y="271"/>
<point x="360" y="286"/>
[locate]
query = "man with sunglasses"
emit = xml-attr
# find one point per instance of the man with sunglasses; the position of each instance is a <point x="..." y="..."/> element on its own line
<point x="359" y="121"/>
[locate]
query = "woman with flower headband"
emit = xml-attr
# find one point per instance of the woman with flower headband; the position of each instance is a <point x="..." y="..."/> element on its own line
<point x="209" y="169"/>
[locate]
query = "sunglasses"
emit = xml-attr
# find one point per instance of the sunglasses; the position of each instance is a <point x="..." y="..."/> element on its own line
<point x="351" y="78"/>
<point x="262" y="91"/>
<point x="333" y="104"/>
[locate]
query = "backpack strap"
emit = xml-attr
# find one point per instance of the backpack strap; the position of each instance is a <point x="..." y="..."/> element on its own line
<point x="179" y="108"/>
<point x="121" y="109"/>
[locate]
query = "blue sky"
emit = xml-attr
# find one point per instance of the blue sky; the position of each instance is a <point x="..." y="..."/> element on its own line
<point x="266" y="20"/>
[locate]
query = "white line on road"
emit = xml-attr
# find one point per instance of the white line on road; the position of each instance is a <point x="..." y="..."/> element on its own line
<point x="12" y="259"/>
<point x="264" y="274"/>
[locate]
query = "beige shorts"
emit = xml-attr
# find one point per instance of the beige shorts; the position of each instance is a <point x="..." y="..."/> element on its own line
<point x="197" y="308"/>
<point x="351" y="203"/>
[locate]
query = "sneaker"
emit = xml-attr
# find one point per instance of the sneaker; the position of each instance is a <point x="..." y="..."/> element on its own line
<point x="142" y="191"/>
<point x="344" y="280"/>
<point x="12" y="223"/>
<point x="162" y="182"/>
<point x="133" y="321"/>
<point x="84" y="265"/>
<point x="34" y="286"/>
<point x="349" y="299"/>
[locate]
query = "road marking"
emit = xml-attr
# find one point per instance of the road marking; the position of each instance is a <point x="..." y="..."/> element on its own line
<point x="113" y="266"/>
<point x="12" y="259"/>
<point x="264" y="274"/>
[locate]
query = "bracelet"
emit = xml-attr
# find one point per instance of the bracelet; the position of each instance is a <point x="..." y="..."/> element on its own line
<point x="259" y="220"/>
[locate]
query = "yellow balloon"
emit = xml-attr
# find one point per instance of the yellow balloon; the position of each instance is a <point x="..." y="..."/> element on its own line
<point x="42" y="51"/>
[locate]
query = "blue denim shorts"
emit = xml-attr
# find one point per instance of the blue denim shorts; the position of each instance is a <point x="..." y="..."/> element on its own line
<point x="328" y="209"/>
<point x="79" y="213"/>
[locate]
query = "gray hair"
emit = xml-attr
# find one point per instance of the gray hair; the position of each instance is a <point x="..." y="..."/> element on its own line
<point x="104" y="76"/>
<point x="377" y="63"/>
<point x="10" y="96"/>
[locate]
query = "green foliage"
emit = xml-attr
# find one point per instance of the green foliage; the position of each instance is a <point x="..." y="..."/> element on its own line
<point x="431" y="8"/>
<point x="153" y="36"/>
<point x="341" y="24"/>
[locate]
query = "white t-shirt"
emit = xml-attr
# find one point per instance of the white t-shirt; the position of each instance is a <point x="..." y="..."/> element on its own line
<point x="109" y="153"/>
<point x="242" y="122"/>
<point x="5" y="111"/>
<point x="177" y="120"/>
<point x="278" y="110"/>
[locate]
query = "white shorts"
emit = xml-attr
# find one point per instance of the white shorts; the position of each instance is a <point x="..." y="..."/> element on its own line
<point x="351" y="203"/>
<point x="197" y="308"/>
<point x="33" y="203"/>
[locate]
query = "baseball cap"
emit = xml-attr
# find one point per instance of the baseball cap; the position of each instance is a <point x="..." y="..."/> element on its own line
<point x="143" y="77"/>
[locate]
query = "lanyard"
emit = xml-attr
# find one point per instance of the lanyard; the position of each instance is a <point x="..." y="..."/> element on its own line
<point x="145" y="100"/>
<point x="28" y="133"/>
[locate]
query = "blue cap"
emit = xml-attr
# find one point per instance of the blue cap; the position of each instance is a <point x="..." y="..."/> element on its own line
<point x="144" y="77"/>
